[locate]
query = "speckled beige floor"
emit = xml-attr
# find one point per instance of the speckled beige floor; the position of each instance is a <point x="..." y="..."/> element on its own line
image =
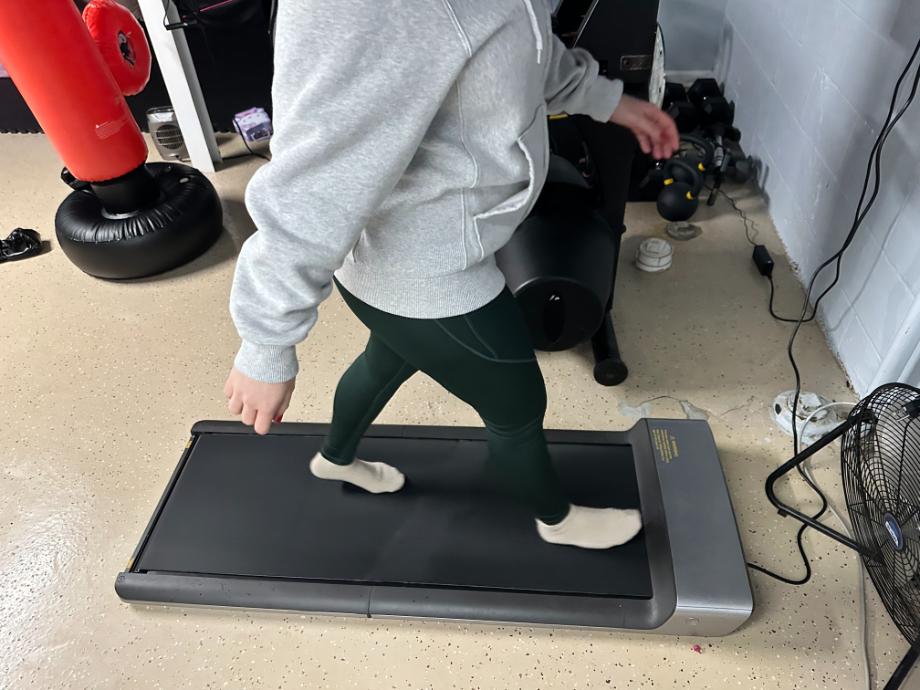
<point x="100" y="383"/>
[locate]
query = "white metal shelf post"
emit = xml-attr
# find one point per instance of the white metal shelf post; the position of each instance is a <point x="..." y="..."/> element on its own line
<point x="175" y="61"/>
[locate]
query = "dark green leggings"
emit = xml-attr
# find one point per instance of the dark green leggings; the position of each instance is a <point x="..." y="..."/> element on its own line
<point x="484" y="358"/>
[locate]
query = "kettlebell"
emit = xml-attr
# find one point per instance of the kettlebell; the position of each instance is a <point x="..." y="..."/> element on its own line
<point x="679" y="198"/>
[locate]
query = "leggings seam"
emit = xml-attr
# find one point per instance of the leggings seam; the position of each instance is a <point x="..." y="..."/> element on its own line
<point x="479" y="337"/>
<point x="479" y="354"/>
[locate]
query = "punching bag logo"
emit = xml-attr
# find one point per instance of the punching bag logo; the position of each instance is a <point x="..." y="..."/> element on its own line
<point x="126" y="49"/>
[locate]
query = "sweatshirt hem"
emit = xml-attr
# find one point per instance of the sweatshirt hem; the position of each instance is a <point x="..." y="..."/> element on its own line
<point x="436" y="297"/>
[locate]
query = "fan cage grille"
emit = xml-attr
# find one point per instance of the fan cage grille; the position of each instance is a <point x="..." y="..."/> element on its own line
<point x="880" y="466"/>
<point x="169" y="136"/>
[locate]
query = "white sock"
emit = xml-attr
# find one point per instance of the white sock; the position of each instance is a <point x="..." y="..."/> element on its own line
<point x="375" y="477"/>
<point x="593" y="528"/>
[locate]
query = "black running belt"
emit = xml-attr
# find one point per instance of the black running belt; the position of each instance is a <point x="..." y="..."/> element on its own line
<point x="247" y="506"/>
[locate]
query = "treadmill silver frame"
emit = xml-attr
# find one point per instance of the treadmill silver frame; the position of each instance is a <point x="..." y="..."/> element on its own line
<point x="697" y="566"/>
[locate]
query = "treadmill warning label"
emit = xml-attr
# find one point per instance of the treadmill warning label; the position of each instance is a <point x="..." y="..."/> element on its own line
<point x="665" y="444"/>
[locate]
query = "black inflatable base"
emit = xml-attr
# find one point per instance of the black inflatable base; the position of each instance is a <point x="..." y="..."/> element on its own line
<point x="184" y="222"/>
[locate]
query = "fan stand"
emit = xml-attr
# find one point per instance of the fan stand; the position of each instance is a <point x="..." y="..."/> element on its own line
<point x="786" y="510"/>
<point x="904" y="668"/>
<point x="913" y="654"/>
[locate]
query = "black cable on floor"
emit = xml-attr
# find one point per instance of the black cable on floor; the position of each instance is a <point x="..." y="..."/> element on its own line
<point x="248" y="148"/>
<point x="750" y="227"/>
<point x="783" y="318"/>
<point x="254" y="153"/>
<point x="782" y="578"/>
<point x="874" y="164"/>
<point x="249" y="153"/>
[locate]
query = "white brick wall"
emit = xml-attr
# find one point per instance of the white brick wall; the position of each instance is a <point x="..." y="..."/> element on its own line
<point x="812" y="80"/>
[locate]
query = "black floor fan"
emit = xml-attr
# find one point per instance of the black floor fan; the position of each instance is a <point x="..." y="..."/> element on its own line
<point x="880" y="464"/>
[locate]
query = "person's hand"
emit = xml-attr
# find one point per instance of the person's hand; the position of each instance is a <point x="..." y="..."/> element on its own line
<point x="259" y="403"/>
<point x="655" y="130"/>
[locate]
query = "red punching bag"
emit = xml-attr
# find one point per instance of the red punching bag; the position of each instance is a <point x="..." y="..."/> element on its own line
<point x="121" y="42"/>
<point x="55" y="64"/>
<point x="126" y="219"/>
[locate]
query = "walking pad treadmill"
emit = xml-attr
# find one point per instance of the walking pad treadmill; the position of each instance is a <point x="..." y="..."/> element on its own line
<point x="243" y="523"/>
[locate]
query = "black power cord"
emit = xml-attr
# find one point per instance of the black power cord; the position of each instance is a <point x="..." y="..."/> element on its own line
<point x="873" y="173"/>
<point x="248" y="147"/>
<point x="761" y="256"/>
<point x="783" y="318"/>
<point x="765" y="264"/>
<point x="750" y="228"/>
<point x="861" y="212"/>
<point x="249" y="153"/>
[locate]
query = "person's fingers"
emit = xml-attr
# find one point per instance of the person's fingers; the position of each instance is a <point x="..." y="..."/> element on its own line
<point x="263" y="422"/>
<point x="662" y="139"/>
<point x="654" y="129"/>
<point x="644" y="142"/>
<point x="655" y="141"/>
<point x="651" y="135"/>
<point x="668" y="131"/>
<point x="235" y="405"/>
<point x="671" y="144"/>
<point x="654" y="122"/>
<point x="285" y="403"/>
<point x="249" y="415"/>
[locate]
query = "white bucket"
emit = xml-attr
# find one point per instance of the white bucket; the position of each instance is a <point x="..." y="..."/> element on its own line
<point x="654" y="255"/>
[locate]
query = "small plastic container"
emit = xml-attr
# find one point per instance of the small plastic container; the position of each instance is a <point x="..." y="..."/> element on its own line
<point x="654" y="255"/>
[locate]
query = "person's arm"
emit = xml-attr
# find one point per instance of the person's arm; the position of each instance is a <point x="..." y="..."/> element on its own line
<point x="574" y="86"/>
<point x="357" y="84"/>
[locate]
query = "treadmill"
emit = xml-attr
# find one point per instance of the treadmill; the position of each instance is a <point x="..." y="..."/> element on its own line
<point x="243" y="523"/>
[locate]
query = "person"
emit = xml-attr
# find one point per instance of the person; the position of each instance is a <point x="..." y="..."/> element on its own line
<point x="410" y="141"/>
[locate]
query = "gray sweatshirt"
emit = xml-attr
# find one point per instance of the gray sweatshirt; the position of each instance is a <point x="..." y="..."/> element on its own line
<point x="410" y="141"/>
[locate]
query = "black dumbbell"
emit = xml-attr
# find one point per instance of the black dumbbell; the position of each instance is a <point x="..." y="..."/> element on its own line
<point x="685" y="115"/>
<point x="677" y="104"/>
<point x="703" y="89"/>
<point x="717" y="110"/>
<point x="713" y="107"/>
<point x="674" y="92"/>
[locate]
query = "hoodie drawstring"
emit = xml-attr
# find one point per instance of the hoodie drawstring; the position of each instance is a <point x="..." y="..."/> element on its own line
<point x="535" y="25"/>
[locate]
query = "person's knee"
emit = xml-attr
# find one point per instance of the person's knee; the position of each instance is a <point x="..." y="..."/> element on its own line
<point x="383" y="365"/>
<point x="517" y="409"/>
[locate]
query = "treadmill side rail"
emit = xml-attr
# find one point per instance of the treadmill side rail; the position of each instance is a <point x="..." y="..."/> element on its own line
<point x="705" y="545"/>
<point x="521" y="608"/>
<point x="318" y="598"/>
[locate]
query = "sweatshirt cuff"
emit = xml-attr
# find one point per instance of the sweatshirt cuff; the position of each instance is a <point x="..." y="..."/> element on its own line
<point x="267" y="363"/>
<point x="603" y="99"/>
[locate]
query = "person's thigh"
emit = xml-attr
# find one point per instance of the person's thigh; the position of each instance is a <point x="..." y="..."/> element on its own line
<point x="485" y="357"/>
